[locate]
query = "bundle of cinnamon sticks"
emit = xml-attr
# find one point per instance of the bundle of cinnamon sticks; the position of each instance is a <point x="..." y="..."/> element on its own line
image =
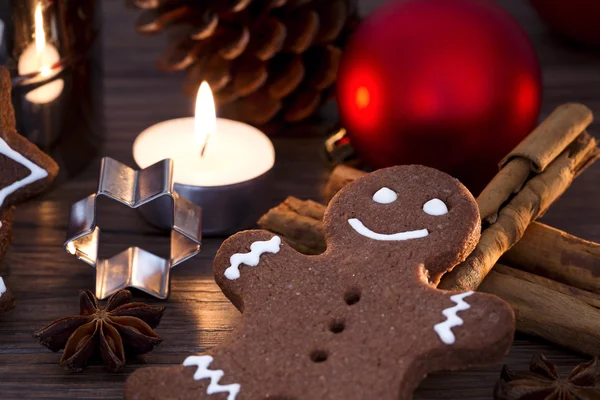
<point x="551" y="278"/>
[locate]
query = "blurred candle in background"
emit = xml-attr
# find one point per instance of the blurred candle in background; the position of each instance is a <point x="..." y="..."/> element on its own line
<point x="52" y="51"/>
<point x="38" y="59"/>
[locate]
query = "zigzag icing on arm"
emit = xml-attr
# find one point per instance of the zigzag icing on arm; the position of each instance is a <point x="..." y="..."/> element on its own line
<point x="444" y="329"/>
<point x="202" y="362"/>
<point x="252" y="258"/>
<point x="36" y="173"/>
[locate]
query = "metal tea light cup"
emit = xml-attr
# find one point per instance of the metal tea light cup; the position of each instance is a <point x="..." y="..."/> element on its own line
<point x="225" y="209"/>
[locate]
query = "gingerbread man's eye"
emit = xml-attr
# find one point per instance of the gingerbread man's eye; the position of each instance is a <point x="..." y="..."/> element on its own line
<point x="435" y="207"/>
<point x="385" y="196"/>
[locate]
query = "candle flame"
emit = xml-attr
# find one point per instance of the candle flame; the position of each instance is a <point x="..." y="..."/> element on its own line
<point x="40" y="41"/>
<point x="40" y="35"/>
<point x="205" y="123"/>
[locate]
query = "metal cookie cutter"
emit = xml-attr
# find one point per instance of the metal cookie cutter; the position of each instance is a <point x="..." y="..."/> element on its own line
<point x="135" y="267"/>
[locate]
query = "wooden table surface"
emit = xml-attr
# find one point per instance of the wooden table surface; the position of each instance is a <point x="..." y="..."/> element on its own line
<point x="46" y="280"/>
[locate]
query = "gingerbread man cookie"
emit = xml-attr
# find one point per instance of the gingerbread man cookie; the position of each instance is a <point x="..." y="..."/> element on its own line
<point x="362" y="320"/>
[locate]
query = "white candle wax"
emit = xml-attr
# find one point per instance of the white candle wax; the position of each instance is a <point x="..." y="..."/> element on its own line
<point x="235" y="153"/>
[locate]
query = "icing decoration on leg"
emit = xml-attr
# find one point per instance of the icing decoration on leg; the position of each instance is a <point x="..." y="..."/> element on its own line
<point x="36" y="174"/>
<point x="202" y="362"/>
<point x="444" y="329"/>
<point x="2" y="286"/>
<point x="359" y="227"/>
<point x="252" y="258"/>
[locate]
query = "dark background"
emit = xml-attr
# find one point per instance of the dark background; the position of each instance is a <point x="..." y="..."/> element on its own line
<point x="46" y="280"/>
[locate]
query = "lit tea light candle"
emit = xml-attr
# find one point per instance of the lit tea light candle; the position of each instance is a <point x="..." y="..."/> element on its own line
<point x="39" y="58"/>
<point x="220" y="164"/>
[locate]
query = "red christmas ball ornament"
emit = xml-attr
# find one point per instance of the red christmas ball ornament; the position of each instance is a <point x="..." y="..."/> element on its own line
<point x="452" y="84"/>
<point x="578" y="20"/>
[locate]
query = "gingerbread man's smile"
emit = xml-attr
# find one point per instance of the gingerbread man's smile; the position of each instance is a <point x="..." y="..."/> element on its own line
<point x="384" y="196"/>
<point x="359" y="227"/>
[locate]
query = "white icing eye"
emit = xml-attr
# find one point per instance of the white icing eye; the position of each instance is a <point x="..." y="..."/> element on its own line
<point x="385" y="196"/>
<point x="435" y="207"/>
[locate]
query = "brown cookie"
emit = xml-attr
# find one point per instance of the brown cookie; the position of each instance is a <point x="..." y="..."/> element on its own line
<point x="362" y="320"/>
<point x="7" y="112"/>
<point x="25" y="170"/>
<point x="6" y="219"/>
<point x="6" y="236"/>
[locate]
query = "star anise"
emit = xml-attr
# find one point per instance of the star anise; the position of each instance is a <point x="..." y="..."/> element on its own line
<point x="542" y="382"/>
<point x="120" y="328"/>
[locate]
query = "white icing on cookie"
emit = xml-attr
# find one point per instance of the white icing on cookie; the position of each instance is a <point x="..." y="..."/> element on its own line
<point x="2" y="286"/>
<point x="435" y="207"/>
<point x="366" y="232"/>
<point x="251" y="259"/>
<point x="202" y="362"/>
<point x="385" y="196"/>
<point x="444" y="329"/>
<point x="36" y="173"/>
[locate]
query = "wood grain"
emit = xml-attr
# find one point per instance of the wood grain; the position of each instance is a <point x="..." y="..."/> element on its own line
<point x="46" y="279"/>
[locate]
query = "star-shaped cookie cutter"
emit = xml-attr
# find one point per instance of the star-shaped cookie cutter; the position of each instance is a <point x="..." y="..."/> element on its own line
<point x="135" y="267"/>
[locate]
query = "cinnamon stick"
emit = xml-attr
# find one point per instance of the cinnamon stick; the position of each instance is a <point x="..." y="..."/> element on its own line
<point x="590" y="298"/>
<point x="541" y="311"/>
<point x="299" y="222"/>
<point x="340" y="177"/>
<point x="554" y="254"/>
<point x="530" y="203"/>
<point x="533" y="154"/>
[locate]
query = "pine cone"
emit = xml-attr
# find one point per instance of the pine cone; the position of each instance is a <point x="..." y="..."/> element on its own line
<point x="265" y="60"/>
